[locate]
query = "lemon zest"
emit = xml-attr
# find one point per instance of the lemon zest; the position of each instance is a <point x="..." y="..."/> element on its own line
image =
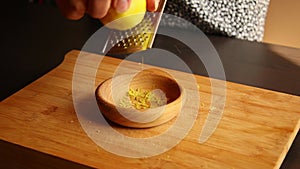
<point x="142" y="99"/>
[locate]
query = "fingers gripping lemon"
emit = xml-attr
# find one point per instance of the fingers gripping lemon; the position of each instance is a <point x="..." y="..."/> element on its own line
<point x="128" y="19"/>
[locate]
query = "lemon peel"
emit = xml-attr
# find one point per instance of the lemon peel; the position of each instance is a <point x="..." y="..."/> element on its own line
<point x="128" y="19"/>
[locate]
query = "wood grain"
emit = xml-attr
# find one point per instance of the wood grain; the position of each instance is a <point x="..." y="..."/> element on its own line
<point x="256" y="130"/>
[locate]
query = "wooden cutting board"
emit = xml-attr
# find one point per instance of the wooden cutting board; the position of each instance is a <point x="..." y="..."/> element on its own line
<point x="256" y="130"/>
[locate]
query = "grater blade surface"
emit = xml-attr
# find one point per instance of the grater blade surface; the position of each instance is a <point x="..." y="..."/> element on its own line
<point x="138" y="38"/>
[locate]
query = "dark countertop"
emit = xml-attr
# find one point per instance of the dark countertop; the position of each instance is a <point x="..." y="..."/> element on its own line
<point x="35" y="38"/>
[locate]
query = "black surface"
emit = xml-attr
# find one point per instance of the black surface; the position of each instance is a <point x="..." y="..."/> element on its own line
<point x="35" y="38"/>
<point x="17" y="157"/>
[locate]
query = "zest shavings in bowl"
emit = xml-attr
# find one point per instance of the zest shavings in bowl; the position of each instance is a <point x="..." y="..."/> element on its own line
<point x="142" y="99"/>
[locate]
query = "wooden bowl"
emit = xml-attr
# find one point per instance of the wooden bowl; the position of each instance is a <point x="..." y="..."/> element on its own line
<point x="110" y="92"/>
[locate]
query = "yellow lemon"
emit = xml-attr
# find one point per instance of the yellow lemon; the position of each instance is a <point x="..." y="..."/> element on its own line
<point x="128" y="19"/>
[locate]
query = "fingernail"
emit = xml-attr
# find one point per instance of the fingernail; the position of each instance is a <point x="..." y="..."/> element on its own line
<point x="156" y="5"/>
<point x="121" y="5"/>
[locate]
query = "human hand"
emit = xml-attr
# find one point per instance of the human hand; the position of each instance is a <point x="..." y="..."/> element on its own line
<point x="75" y="9"/>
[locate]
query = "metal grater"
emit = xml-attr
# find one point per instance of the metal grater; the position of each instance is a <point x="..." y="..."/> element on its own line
<point x="136" y="39"/>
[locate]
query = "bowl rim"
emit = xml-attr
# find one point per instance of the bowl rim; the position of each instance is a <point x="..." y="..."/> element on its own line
<point x="101" y="98"/>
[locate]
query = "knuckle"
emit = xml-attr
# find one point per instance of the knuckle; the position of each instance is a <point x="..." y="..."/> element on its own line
<point x="77" y="11"/>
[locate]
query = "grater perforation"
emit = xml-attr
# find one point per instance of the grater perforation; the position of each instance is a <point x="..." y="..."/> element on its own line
<point x="138" y="38"/>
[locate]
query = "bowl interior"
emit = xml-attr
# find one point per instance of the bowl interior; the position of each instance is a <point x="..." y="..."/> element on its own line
<point x="114" y="89"/>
